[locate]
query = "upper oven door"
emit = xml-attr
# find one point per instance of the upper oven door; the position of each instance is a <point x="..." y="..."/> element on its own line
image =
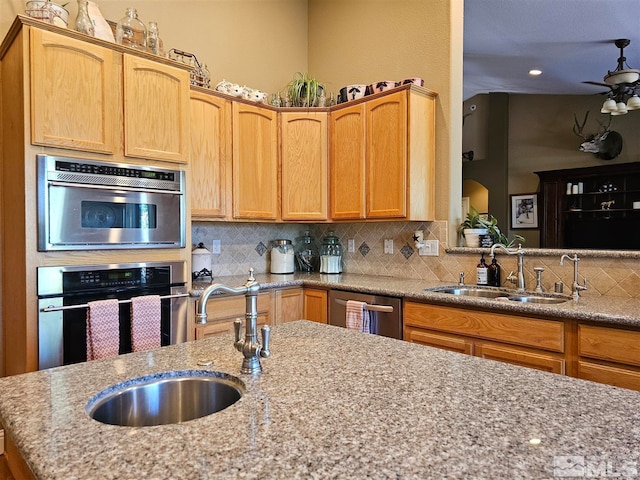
<point x="83" y="216"/>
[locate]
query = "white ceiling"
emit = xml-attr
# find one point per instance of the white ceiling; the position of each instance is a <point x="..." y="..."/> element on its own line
<point x="569" y="40"/>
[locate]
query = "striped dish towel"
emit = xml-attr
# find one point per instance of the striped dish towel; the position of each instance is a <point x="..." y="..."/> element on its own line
<point x="357" y="316"/>
<point x="103" y="329"/>
<point x="145" y="322"/>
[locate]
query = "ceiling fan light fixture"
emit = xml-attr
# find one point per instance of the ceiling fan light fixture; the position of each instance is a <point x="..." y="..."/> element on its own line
<point x="633" y="103"/>
<point x="622" y="76"/>
<point x="621" y="110"/>
<point x="609" y="106"/>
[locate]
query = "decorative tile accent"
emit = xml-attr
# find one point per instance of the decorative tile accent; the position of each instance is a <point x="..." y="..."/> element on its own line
<point x="364" y="249"/>
<point x="406" y="251"/>
<point x="261" y="248"/>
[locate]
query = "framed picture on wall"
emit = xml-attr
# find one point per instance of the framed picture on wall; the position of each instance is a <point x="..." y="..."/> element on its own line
<point x="524" y="210"/>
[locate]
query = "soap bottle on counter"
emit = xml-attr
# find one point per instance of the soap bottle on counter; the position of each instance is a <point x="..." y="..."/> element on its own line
<point x="493" y="273"/>
<point x="482" y="272"/>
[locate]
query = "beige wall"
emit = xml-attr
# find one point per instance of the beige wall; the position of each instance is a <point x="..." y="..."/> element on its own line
<point x="259" y="43"/>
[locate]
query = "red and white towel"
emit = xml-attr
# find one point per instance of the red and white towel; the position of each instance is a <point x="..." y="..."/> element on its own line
<point x="145" y="322"/>
<point x="357" y="316"/>
<point x="103" y="329"/>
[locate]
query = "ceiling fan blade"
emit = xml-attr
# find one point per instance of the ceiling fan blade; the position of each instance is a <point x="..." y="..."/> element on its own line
<point x="600" y="84"/>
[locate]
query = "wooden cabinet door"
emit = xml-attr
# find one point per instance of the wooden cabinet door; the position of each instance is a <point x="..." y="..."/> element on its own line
<point x="609" y="344"/>
<point x="304" y="164"/>
<point x="453" y="343"/>
<point x="609" y="374"/>
<point x="255" y="162"/>
<point x="347" y="160"/>
<point x="74" y="93"/>
<point x="315" y="305"/>
<point x="524" y="358"/>
<point x="287" y="305"/>
<point x="210" y="155"/>
<point x="386" y="156"/>
<point x="156" y="110"/>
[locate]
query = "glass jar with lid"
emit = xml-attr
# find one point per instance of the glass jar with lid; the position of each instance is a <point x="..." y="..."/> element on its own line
<point x="306" y="253"/>
<point x="282" y="255"/>
<point x="130" y="31"/>
<point x="331" y="254"/>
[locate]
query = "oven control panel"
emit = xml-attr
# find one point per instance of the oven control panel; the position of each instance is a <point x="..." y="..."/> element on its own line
<point x="114" y="170"/>
<point x="127" y="277"/>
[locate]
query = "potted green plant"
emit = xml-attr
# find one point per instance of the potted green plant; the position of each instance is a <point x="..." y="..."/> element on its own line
<point x="476" y="225"/>
<point x="304" y="90"/>
<point x="472" y="228"/>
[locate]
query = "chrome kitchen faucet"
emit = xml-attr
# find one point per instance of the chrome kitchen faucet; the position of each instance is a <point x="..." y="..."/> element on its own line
<point x="250" y="347"/>
<point x="520" y="253"/>
<point x="576" y="288"/>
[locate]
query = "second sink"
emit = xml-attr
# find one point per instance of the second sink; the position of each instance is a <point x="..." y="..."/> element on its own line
<point x="165" y="398"/>
<point x="494" y="292"/>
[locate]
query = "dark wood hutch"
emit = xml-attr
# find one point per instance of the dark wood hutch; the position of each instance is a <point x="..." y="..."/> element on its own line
<point x="591" y="207"/>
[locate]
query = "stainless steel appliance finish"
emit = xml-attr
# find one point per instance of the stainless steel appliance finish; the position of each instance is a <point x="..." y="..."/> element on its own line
<point x="174" y="398"/>
<point x="86" y="204"/>
<point x="387" y="320"/>
<point x="63" y="293"/>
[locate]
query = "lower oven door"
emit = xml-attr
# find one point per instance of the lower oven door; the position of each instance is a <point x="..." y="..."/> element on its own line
<point x="80" y="217"/>
<point x="62" y="337"/>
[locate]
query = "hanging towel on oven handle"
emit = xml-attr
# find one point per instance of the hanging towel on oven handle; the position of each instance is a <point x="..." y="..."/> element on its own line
<point x="103" y="329"/>
<point x="146" y="322"/>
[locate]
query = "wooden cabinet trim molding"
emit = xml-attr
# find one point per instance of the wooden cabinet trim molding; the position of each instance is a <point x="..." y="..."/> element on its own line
<point x="517" y="330"/>
<point x="516" y="356"/>
<point x="453" y="343"/>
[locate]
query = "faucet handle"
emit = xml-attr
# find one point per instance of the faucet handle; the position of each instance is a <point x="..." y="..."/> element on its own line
<point x="266" y="333"/>
<point x="237" y="327"/>
<point x="461" y="279"/>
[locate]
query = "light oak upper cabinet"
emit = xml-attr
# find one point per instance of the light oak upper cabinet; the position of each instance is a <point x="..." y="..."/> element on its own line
<point x="347" y="157"/>
<point x="156" y="110"/>
<point x="255" y="162"/>
<point x="386" y="152"/>
<point x="304" y="164"/>
<point x="383" y="157"/>
<point x="210" y="155"/>
<point x="74" y="93"/>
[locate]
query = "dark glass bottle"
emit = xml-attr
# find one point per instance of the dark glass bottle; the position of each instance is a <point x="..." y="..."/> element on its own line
<point x="482" y="272"/>
<point x="493" y="273"/>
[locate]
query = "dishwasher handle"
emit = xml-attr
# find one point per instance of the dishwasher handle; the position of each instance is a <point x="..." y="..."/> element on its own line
<point x="371" y="308"/>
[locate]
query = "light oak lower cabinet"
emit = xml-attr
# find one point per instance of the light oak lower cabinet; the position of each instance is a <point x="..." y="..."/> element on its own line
<point x="529" y="342"/>
<point x="609" y="355"/>
<point x="287" y="305"/>
<point x="315" y="305"/>
<point x="223" y="311"/>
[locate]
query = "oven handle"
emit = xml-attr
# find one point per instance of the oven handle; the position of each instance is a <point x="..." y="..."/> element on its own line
<point x="371" y="308"/>
<point x="86" y="305"/>
<point x="110" y="187"/>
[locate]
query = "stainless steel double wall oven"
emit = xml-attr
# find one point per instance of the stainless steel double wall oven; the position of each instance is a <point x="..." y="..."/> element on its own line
<point x="94" y="205"/>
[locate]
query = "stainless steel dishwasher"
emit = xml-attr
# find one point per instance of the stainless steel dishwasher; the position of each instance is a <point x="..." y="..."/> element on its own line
<point x="388" y="311"/>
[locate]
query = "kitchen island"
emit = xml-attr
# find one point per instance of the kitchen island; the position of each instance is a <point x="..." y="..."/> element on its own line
<point x="331" y="403"/>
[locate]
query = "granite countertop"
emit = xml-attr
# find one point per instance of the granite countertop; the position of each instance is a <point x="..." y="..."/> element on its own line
<point x="331" y="403"/>
<point x="612" y="310"/>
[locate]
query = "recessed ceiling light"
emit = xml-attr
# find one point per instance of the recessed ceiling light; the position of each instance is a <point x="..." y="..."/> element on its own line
<point x="535" y="72"/>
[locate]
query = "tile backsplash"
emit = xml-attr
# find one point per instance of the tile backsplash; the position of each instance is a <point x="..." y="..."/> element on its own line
<point x="246" y="245"/>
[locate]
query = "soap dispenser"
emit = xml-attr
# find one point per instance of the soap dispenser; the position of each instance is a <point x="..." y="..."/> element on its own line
<point x="493" y="273"/>
<point x="482" y="272"/>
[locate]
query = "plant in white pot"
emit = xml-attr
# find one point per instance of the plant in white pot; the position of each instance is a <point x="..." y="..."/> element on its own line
<point x="472" y="228"/>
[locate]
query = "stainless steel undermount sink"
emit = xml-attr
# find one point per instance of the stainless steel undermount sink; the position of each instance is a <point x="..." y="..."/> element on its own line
<point x="537" y="299"/>
<point x="165" y="398"/>
<point x="493" y="292"/>
<point x="470" y="291"/>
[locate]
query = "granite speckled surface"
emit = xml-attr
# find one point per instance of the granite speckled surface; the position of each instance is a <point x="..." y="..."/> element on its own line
<point x="611" y="310"/>
<point x="331" y="403"/>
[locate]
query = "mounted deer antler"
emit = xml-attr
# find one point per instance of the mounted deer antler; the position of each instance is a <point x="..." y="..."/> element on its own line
<point x="606" y="144"/>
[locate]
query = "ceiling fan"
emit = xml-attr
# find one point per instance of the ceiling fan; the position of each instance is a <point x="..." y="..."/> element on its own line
<point x="622" y="82"/>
